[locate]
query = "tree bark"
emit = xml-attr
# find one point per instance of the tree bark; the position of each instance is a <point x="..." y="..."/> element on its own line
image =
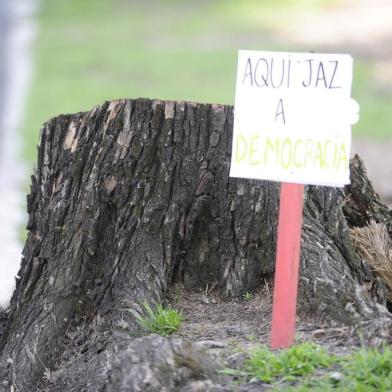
<point x="134" y="196"/>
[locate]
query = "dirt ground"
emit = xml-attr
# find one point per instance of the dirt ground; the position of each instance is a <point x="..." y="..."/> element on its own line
<point x="227" y="330"/>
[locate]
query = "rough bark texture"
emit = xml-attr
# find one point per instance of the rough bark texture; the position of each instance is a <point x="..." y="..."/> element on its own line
<point x="134" y="196"/>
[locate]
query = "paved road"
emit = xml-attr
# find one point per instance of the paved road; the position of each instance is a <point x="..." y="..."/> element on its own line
<point x="4" y="33"/>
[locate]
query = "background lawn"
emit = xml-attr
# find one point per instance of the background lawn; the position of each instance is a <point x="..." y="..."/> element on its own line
<point x="89" y="51"/>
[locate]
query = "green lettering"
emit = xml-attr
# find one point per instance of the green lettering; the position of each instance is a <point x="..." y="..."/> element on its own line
<point x="271" y="147"/>
<point x="296" y="163"/>
<point x="286" y="153"/>
<point x="335" y="156"/>
<point x="326" y="160"/>
<point x="241" y="148"/>
<point x="253" y="151"/>
<point x="318" y="156"/>
<point x="308" y="150"/>
<point x="343" y="159"/>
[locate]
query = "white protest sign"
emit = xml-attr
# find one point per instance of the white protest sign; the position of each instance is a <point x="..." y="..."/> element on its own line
<point x="292" y="117"/>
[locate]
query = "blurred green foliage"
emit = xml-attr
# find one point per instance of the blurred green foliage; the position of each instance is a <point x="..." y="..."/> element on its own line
<point x="89" y="51"/>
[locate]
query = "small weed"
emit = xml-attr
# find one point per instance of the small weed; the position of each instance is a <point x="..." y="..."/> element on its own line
<point x="159" y="320"/>
<point x="247" y="296"/>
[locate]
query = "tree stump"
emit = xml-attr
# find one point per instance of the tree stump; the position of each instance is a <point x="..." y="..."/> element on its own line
<point x="135" y="196"/>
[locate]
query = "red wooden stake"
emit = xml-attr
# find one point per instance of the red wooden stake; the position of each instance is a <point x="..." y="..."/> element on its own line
<point x="287" y="265"/>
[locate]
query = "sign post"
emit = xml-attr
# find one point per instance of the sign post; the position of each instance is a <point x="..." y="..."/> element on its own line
<point x="292" y="124"/>
<point x="287" y="265"/>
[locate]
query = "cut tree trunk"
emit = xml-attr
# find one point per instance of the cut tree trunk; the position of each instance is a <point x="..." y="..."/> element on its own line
<point x="135" y="196"/>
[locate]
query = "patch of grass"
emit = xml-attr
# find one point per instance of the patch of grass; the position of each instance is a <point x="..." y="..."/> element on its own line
<point x="368" y="370"/>
<point x="287" y="365"/>
<point x="363" y="371"/>
<point x="158" y="319"/>
<point x="311" y="368"/>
